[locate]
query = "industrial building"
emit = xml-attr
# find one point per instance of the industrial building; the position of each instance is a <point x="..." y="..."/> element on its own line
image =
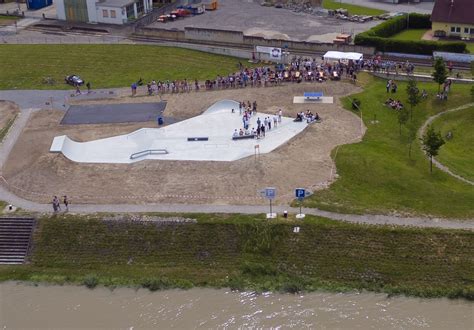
<point x="102" y="11"/>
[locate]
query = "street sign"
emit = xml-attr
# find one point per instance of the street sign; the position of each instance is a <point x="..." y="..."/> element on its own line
<point x="300" y="193"/>
<point x="270" y="193"/>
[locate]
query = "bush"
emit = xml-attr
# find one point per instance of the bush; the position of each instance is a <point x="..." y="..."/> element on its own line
<point x="90" y="281"/>
<point x="356" y="104"/>
<point x="258" y="269"/>
<point x="155" y="284"/>
<point x="376" y="37"/>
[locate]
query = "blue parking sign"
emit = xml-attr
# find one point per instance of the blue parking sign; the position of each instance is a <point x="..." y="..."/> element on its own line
<point x="270" y="193"/>
<point x="300" y="193"/>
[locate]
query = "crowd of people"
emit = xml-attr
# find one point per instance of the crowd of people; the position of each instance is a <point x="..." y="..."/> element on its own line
<point x="307" y="116"/>
<point x="394" y="104"/>
<point x="299" y="69"/>
<point x="248" y="110"/>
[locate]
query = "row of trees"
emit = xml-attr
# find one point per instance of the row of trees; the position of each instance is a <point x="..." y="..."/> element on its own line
<point x="431" y="140"/>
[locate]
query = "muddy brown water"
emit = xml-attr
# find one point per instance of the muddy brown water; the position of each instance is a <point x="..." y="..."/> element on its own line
<point x="64" y="307"/>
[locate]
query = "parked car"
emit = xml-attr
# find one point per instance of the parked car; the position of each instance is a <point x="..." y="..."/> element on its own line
<point x="74" y="80"/>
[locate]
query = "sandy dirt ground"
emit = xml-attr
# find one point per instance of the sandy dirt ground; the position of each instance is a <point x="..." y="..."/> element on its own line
<point x="34" y="173"/>
<point x="8" y="111"/>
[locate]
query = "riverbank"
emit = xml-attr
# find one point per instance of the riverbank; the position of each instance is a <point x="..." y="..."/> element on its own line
<point x="247" y="252"/>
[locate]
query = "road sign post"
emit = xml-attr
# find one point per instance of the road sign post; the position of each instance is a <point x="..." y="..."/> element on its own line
<point x="270" y="194"/>
<point x="300" y="194"/>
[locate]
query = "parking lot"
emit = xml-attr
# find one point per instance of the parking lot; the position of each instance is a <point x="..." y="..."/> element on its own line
<point x="253" y="19"/>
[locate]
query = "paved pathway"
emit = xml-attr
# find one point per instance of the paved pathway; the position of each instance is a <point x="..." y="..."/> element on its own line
<point x="11" y="198"/>
<point x="437" y="163"/>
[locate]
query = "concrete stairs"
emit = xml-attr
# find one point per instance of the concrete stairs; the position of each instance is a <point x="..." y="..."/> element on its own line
<point x="15" y="237"/>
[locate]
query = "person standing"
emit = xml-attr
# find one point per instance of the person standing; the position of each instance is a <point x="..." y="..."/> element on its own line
<point x="280" y="113"/>
<point x="66" y="203"/>
<point x="55" y="208"/>
<point x="134" y="89"/>
<point x="88" y="85"/>
<point x="56" y="204"/>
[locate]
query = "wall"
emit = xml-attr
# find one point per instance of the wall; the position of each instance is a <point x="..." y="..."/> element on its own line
<point x="232" y="37"/>
<point x="161" y="33"/>
<point x="423" y="78"/>
<point x="92" y="11"/>
<point x="213" y="35"/>
<point x="60" y="11"/>
<point x="119" y="17"/>
<point x="446" y="27"/>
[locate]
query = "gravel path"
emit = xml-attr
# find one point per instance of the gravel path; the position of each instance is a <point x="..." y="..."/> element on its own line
<point x="9" y="197"/>
<point x="437" y="163"/>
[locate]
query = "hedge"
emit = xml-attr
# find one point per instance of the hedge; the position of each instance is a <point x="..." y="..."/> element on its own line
<point x="377" y="37"/>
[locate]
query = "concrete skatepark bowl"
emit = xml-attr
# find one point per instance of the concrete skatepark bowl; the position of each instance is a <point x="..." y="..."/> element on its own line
<point x="207" y="137"/>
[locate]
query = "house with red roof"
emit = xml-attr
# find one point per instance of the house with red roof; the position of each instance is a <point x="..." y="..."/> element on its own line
<point x="453" y="19"/>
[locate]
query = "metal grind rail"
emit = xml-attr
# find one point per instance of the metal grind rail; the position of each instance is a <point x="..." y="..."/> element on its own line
<point x="149" y="152"/>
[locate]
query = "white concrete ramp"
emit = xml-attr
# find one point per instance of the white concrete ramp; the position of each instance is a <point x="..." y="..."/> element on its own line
<point x="217" y="124"/>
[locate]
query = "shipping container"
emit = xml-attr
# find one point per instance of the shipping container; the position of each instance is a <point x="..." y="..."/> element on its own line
<point x="38" y="4"/>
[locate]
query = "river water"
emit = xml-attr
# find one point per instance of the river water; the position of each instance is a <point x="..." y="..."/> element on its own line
<point x="61" y="307"/>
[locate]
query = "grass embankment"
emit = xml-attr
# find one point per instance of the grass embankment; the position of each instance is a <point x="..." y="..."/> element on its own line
<point x="353" y="9"/>
<point x="28" y="66"/>
<point x="377" y="176"/>
<point x="249" y="252"/>
<point x="458" y="152"/>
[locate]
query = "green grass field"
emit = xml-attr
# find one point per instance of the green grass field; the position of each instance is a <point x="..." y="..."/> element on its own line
<point x="458" y="152"/>
<point x="353" y="9"/>
<point x="249" y="252"/>
<point x="409" y="34"/>
<point x="8" y="18"/>
<point x="417" y="34"/>
<point x="26" y="66"/>
<point x="377" y="176"/>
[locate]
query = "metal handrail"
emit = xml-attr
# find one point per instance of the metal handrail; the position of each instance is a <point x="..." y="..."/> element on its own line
<point x="148" y="152"/>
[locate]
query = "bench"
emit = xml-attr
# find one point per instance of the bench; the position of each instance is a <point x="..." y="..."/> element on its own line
<point x="313" y="96"/>
<point x="243" y="137"/>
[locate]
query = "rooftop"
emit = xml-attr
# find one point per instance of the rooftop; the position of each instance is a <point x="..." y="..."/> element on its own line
<point x="453" y="11"/>
<point x="115" y="3"/>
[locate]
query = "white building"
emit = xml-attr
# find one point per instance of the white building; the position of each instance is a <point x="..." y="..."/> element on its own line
<point x="102" y="11"/>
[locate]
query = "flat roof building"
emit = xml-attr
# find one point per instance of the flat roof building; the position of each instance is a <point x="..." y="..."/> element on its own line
<point x="102" y="11"/>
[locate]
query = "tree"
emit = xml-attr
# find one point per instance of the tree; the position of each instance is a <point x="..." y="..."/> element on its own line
<point x="414" y="96"/>
<point x="432" y="141"/>
<point x="403" y="116"/>
<point x="440" y="74"/>
<point x="412" y="131"/>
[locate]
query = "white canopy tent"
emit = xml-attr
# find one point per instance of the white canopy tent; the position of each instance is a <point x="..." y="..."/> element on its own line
<point x="336" y="56"/>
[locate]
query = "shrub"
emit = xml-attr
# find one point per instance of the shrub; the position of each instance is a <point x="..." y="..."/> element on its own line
<point x="356" y="104"/>
<point x="258" y="269"/>
<point x="155" y="284"/>
<point x="90" y="281"/>
<point x="377" y="37"/>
